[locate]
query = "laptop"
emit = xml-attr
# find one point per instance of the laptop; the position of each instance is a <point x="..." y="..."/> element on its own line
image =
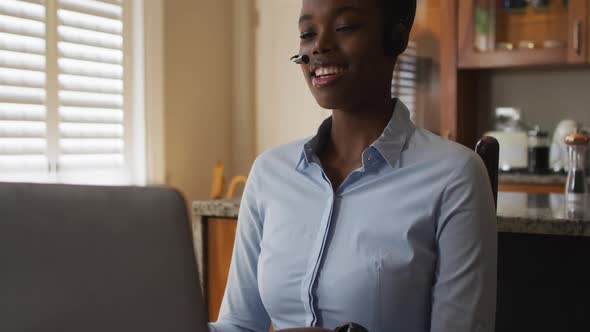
<point x="90" y="258"/>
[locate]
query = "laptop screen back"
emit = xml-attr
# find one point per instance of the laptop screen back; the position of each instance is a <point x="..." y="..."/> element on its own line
<point x="86" y="258"/>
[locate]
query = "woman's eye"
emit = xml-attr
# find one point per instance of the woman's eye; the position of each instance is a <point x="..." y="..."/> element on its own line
<point x="347" y="28"/>
<point x="306" y="35"/>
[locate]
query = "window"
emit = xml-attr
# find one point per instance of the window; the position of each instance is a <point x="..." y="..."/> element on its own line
<point x="65" y="112"/>
<point x="405" y="77"/>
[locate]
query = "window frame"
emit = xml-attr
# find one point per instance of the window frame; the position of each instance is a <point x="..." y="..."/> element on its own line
<point x="134" y="153"/>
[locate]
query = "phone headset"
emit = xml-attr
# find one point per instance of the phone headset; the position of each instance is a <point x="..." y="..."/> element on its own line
<point x="397" y="27"/>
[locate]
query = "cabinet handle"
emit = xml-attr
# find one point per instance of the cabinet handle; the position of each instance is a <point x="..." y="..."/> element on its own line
<point x="577" y="32"/>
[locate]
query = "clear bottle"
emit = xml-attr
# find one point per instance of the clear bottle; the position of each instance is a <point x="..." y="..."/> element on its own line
<point x="576" y="187"/>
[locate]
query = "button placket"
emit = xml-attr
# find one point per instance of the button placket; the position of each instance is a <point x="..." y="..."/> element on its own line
<point x="316" y="255"/>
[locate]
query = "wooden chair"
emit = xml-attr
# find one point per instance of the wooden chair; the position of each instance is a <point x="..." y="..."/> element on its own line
<point x="488" y="149"/>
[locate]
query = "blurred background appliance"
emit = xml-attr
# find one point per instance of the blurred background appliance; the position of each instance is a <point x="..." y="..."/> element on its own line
<point x="511" y="133"/>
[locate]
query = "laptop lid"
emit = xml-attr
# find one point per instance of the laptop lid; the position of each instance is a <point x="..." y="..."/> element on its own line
<point x="89" y="258"/>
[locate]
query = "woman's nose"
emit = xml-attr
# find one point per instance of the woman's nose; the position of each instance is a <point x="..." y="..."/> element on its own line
<point x="324" y="43"/>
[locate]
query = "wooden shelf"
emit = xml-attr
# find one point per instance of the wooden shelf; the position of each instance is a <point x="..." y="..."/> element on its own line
<point x="531" y="188"/>
<point x="555" y="24"/>
<point x="514" y="58"/>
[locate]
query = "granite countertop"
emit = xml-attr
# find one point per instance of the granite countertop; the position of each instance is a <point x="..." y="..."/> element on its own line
<point x="517" y="213"/>
<point x="534" y="179"/>
<point x="542" y="214"/>
<point x="221" y="208"/>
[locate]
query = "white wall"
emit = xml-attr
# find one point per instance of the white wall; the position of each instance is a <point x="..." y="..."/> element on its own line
<point x="545" y="95"/>
<point x="285" y="109"/>
<point x="198" y="50"/>
<point x="243" y="122"/>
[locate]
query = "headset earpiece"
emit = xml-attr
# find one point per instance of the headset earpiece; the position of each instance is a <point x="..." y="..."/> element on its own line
<point x="398" y="40"/>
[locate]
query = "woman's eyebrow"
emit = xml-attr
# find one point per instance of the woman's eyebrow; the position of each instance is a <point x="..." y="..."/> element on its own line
<point x="305" y="17"/>
<point x="336" y="12"/>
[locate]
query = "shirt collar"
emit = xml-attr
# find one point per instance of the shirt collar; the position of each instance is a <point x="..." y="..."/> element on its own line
<point x="390" y="144"/>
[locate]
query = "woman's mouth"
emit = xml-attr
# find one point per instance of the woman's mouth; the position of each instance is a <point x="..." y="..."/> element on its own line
<point x="326" y="75"/>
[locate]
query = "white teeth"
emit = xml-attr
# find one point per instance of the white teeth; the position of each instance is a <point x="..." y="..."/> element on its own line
<point x="323" y="71"/>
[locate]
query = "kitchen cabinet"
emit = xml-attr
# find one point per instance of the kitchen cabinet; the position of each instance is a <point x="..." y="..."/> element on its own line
<point x="531" y="188"/>
<point x="553" y="32"/>
<point x="468" y="58"/>
<point x="220" y="243"/>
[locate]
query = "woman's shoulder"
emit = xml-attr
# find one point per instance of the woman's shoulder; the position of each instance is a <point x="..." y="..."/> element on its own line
<point x="281" y="156"/>
<point x="428" y="146"/>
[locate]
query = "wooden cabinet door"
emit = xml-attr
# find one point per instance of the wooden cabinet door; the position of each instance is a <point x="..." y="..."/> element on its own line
<point x="578" y="31"/>
<point x="479" y="41"/>
<point x="221" y="234"/>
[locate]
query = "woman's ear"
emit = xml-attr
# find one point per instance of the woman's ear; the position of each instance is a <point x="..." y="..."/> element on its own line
<point x="398" y="40"/>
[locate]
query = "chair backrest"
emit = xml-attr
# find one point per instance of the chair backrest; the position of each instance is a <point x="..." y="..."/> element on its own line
<point x="89" y="258"/>
<point x="488" y="149"/>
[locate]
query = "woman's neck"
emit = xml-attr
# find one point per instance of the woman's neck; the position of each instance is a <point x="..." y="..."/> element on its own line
<point x="354" y="130"/>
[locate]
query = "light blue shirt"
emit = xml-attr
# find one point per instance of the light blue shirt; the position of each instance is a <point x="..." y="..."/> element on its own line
<point x="406" y="243"/>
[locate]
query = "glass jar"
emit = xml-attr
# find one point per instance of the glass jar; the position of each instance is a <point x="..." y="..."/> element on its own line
<point x="538" y="151"/>
<point x="512" y="25"/>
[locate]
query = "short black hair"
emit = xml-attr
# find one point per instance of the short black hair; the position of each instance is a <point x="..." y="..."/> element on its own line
<point x="395" y="13"/>
<point x="398" y="11"/>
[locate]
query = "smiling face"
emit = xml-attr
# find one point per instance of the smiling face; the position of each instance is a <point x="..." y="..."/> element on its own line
<point x="344" y="40"/>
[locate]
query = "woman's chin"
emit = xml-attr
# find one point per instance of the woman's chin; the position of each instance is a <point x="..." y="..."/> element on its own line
<point x="332" y="102"/>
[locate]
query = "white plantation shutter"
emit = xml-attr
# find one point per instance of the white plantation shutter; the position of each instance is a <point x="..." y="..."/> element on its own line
<point x="405" y="78"/>
<point x="23" y="128"/>
<point x="91" y="87"/>
<point x="63" y="115"/>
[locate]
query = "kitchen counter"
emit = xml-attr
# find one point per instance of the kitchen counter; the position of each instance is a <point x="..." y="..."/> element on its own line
<point x="517" y="213"/>
<point x="219" y="208"/>
<point x="546" y="214"/>
<point x="525" y="178"/>
<point x="534" y="179"/>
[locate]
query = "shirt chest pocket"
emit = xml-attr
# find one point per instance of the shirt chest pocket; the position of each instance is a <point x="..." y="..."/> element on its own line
<point x="348" y="288"/>
<point x="405" y="292"/>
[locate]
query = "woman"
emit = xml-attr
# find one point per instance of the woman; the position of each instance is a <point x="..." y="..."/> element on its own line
<point x="372" y="221"/>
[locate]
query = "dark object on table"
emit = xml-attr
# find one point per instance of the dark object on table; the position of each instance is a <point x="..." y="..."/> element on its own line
<point x="538" y="151"/>
<point x="513" y="4"/>
<point x="351" y="327"/>
<point x="489" y="151"/>
<point x="539" y="3"/>
<point x="89" y="258"/>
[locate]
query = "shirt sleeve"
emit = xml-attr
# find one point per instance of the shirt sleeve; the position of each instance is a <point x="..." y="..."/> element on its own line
<point x="464" y="294"/>
<point x="242" y="309"/>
